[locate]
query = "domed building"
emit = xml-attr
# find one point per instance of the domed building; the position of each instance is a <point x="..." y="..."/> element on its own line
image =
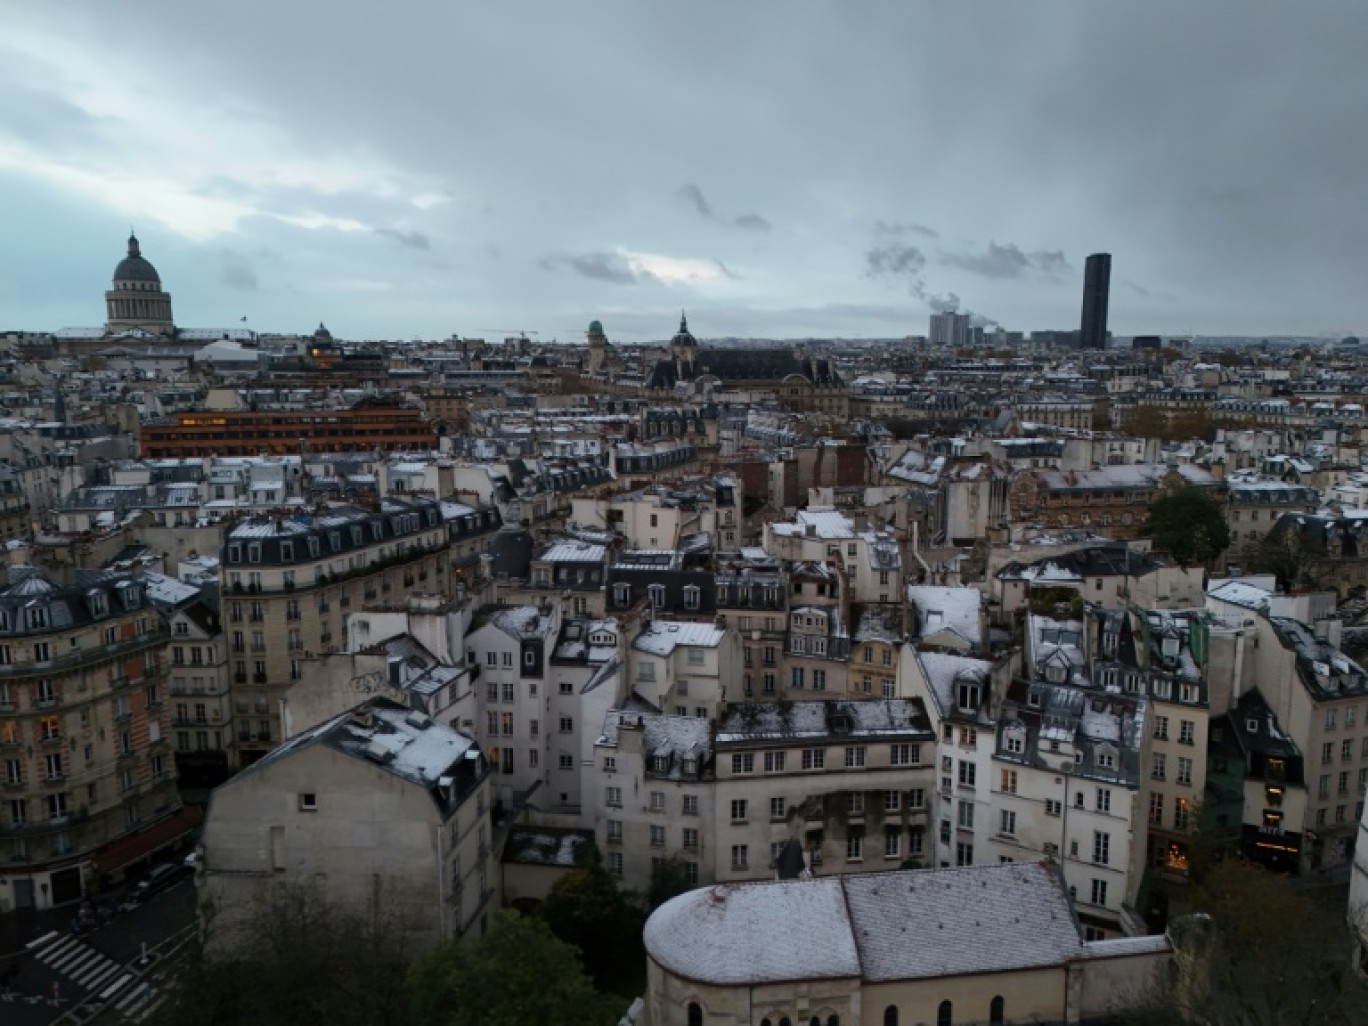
<point x="137" y="301"/>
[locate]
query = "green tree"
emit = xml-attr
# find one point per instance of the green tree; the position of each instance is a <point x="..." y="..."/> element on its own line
<point x="586" y="909"/>
<point x="1188" y="524"/>
<point x="1271" y="953"/>
<point x="517" y="973"/>
<point x="669" y="877"/>
<point x="1282" y="556"/>
<point x="295" y="960"/>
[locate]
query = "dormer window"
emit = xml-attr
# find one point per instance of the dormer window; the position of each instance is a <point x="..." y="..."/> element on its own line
<point x="254" y="552"/>
<point x="657" y="593"/>
<point x="1106" y="758"/>
<point x="37" y="617"/>
<point x="313" y="546"/>
<point x="335" y="540"/>
<point x="1252" y="725"/>
<point x="692" y="596"/>
<point x="660" y="764"/>
<point x="967" y="696"/>
<point x="690" y="766"/>
<point x="622" y="594"/>
<point x="1056" y="673"/>
<point x="235" y="553"/>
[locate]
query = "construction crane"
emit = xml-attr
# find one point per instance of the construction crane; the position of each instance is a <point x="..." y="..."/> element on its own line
<point x="516" y="332"/>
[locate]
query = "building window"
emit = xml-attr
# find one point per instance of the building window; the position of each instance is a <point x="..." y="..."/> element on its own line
<point x="308" y="802"/>
<point x="567" y="725"/>
<point x="739" y="860"/>
<point x="996" y="1012"/>
<point x="657" y="801"/>
<point x="855" y="757"/>
<point x="814" y="758"/>
<point x="1180" y="814"/>
<point x="774" y="762"/>
<point x="1184" y="770"/>
<point x="738" y="810"/>
<point x="1156" y="809"/>
<point x="904" y="755"/>
<point x="1101" y="847"/>
<point x="1186" y="732"/>
<point x="1053" y="807"/>
<point x="1103" y="799"/>
<point x="613" y="797"/>
<point x="1008" y="822"/>
<point x="691" y="805"/>
<point x="964" y="854"/>
<point x="743" y="763"/>
<point x="692" y="596"/>
<point x="966" y="815"/>
<point x="1009" y="781"/>
<point x="855" y="847"/>
<point x="615" y="863"/>
<point x="1099" y="892"/>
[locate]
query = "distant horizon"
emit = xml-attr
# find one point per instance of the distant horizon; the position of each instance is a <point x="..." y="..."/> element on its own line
<point x="842" y="174"/>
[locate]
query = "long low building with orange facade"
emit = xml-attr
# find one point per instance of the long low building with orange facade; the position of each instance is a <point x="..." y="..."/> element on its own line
<point x="367" y="426"/>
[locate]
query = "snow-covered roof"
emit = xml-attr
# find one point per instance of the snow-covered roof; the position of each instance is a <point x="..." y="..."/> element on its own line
<point x="756" y="933"/>
<point x="573" y="552"/>
<point x="829" y="524"/>
<point x="1241" y="593"/>
<point x="168" y="591"/>
<point x="881" y="927"/>
<point x="663" y="636"/>
<point x="955" y="609"/>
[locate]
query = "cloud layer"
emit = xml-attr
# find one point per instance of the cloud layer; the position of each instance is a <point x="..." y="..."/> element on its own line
<point x="821" y="175"/>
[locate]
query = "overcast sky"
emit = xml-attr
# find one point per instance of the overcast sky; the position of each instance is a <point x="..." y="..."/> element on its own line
<point x="777" y="169"/>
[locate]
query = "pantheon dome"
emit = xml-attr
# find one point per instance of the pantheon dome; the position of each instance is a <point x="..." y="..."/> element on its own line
<point x="137" y="301"/>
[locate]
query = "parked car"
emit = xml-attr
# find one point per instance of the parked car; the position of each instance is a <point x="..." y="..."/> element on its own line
<point x="160" y="878"/>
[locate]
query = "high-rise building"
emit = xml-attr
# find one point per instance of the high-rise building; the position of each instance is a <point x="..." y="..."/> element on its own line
<point x="949" y="329"/>
<point x="1096" y="285"/>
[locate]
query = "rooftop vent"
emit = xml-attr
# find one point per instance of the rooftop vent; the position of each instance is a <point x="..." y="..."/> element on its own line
<point x="420" y="720"/>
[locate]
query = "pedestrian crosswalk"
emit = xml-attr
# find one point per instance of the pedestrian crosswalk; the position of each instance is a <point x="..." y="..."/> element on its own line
<point x="85" y="966"/>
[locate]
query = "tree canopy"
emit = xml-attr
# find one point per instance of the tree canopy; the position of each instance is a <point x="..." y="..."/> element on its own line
<point x="300" y="961"/>
<point x="518" y="973"/>
<point x="1272" y="953"/>
<point x="586" y="909"/>
<point x="1189" y="525"/>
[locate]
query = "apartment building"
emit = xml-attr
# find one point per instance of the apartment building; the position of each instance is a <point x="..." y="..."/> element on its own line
<point x="201" y="702"/>
<point x="511" y="646"/>
<point x="652" y="789"/>
<point x="688" y="669"/>
<point x="874" y="665"/>
<point x="850" y="781"/>
<point x="961" y="696"/>
<point x="88" y="771"/>
<point x="288" y="583"/>
<point x="1066" y="785"/>
<point x="752" y="596"/>
<point x="1175" y="752"/>
<point x="1320" y="699"/>
<point x="380" y="808"/>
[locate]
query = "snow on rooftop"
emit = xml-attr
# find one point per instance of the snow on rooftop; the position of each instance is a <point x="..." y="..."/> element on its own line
<point x="168" y="591"/>
<point x="663" y="636"/>
<point x="882" y="927"/>
<point x="756" y="933"/>
<point x="955" y="609"/>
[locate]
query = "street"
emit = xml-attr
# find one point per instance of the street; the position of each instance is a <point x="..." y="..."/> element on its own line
<point x="99" y="976"/>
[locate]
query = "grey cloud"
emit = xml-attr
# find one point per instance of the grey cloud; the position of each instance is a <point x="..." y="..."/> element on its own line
<point x="752" y="222"/>
<point x="409" y="239"/>
<point x="693" y="196"/>
<point x="236" y="272"/>
<point x="1009" y="261"/>
<point x="894" y="260"/>
<point x="904" y="264"/>
<point x="607" y="267"/>
<point x="905" y="228"/>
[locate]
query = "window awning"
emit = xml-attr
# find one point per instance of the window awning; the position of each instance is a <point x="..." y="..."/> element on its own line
<point x="147" y="841"/>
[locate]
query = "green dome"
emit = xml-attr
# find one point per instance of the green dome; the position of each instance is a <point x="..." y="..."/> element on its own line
<point x="596" y="327"/>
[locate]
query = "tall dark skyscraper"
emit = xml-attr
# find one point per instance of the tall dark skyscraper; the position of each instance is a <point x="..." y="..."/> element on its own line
<point x="1096" y="286"/>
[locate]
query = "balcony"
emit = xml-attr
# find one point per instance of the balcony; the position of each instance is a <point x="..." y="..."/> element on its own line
<point x="86" y="656"/>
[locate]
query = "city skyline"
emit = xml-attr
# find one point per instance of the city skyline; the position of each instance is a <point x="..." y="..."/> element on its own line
<point x="823" y="176"/>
